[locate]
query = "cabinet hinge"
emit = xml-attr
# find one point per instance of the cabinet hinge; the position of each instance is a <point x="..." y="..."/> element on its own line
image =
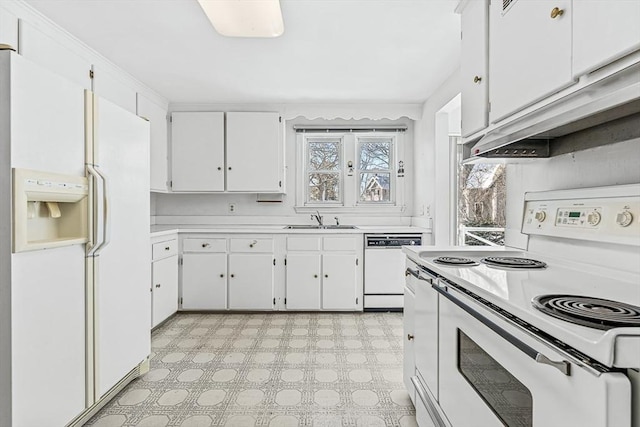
<point x="90" y="74"/>
<point x="274" y="301"/>
<point x="170" y="119"/>
<point x="280" y="184"/>
<point x="285" y="261"/>
<point x="170" y="184"/>
<point x="274" y="261"/>
<point x="181" y="261"/>
<point x="356" y="300"/>
<point x="356" y="261"/>
<point x="488" y="106"/>
<point x="280" y="119"/>
<point x="180" y="300"/>
<point x="285" y="301"/>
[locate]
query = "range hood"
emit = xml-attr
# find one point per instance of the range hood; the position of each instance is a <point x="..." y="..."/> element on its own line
<point x="530" y="136"/>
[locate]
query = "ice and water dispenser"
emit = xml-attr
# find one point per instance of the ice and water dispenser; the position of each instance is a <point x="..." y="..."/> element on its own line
<point x="49" y="210"/>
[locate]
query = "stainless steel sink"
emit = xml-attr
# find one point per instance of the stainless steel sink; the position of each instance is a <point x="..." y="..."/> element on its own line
<point x="320" y="227"/>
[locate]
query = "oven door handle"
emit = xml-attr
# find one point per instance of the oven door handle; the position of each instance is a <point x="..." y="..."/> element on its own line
<point x="563" y="365"/>
<point x="417" y="275"/>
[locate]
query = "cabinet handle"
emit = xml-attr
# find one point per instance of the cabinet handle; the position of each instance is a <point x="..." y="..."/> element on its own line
<point x="222" y="275"/>
<point x="326" y="276"/>
<point x="409" y="337"/>
<point x="219" y="168"/>
<point x="477" y="79"/>
<point x="555" y="12"/>
<point x="205" y="245"/>
<point x="233" y="275"/>
<point x="229" y="167"/>
<point x="167" y="248"/>
<point x="252" y="244"/>
<point x="158" y="285"/>
<point x="315" y="276"/>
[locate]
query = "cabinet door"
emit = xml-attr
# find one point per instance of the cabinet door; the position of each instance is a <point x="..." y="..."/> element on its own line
<point x="159" y="161"/>
<point x="303" y="281"/>
<point x="530" y="53"/>
<point x="164" y="289"/>
<point x="204" y="281"/>
<point x="409" y="361"/>
<point x="254" y="152"/>
<point x="339" y="281"/>
<point x="197" y="151"/>
<point x="603" y="30"/>
<point x="251" y="281"/>
<point x="475" y="26"/>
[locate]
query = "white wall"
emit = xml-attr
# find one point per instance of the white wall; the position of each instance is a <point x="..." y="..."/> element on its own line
<point x="431" y="196"/>
<point x="601" y="166"/>
<point x="214" y="208"/>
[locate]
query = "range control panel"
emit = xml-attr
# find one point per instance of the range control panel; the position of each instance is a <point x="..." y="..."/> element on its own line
<point x="604" y="219"/>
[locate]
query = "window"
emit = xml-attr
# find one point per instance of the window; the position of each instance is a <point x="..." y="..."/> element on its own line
<point x="324" y="170"/>
<point x="351" y="170"/>
<point x="374" y="169"/>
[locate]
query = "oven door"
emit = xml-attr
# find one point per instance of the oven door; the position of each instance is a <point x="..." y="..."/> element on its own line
<point x="489" y="375"/>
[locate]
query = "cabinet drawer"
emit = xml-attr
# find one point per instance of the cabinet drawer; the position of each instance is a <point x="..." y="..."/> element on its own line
<point x="166" y="249"/>
<point x="339" y="244"/>
<point x="303" y="243"/>
<point x="204" y="245"/>
<point x="251" y="245"/>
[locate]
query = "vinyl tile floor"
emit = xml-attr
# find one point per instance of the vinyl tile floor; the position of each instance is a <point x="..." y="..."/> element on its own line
<point x="271" y="369"/>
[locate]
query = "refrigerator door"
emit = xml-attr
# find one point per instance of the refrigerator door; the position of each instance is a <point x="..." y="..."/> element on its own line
<point x="42" y="309"/>
<point x="122" y="264"/>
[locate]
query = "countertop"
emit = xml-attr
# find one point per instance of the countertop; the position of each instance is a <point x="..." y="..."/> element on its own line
<point x="163" y="230"/>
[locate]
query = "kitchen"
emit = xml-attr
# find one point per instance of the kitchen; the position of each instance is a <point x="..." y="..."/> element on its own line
<point x="217" y="212"/>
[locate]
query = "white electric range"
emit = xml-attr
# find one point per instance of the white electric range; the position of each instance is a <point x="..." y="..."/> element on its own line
<point x="505" y="336"/>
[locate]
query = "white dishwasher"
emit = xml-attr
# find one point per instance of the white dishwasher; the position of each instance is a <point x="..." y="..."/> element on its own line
<point x="384" y="266"/>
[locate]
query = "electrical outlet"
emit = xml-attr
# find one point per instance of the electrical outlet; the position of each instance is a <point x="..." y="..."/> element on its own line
<point x="232" y="207"/>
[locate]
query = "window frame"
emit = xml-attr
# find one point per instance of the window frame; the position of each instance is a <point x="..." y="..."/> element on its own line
<point x="307" y="170"/>
<point x="350" y="183"/>
<point x="360" y="140"/>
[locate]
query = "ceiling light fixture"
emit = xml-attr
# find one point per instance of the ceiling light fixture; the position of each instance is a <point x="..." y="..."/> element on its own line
<point x="245" y="18"/>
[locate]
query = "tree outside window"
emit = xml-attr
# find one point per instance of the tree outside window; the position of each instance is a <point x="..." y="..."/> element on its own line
<point x="324" y="170"/>
<point x="374" y="165"/>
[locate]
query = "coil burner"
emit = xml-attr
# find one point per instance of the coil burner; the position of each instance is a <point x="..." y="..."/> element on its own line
<point x="587" y="311"/>
<point x="454" y="261"/>
<point x="513" y="262"/>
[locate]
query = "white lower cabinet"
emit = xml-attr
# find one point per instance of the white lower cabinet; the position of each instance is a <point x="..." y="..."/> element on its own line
<point x="204" y="281"/>
<point x="164" y="279"/>
<point x="409" y="360"/>
<point x="339" y="281"/>
<point x="251" y="281"/>
<point x="164" y="289"/>
<point x="323" y="273"/>
<point x="303" y="277"/>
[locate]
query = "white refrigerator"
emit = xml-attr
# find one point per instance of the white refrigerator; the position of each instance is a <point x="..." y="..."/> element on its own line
<point x="74" y="305"/>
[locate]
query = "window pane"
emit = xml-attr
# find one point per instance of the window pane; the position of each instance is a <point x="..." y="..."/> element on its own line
<point x="374" y="187"/>
<point x="324" y="156"/>
<point x="324" y="187"/>
<point x="375" y="155"/>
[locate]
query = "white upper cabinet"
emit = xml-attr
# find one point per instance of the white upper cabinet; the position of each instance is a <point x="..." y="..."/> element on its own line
<point x="254" y="152"/>
<point x="157" y="116"/>
<point x="616" y="34"/>
<point x="475" y="80"/>
<point x="197" y="151"/>
<point x="529" y="51"/>
<point x="254" y="149"/>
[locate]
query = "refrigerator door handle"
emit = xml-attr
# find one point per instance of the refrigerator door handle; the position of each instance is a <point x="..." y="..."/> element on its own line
<point x="97" y="234"/>
<point x="106" y="223"/>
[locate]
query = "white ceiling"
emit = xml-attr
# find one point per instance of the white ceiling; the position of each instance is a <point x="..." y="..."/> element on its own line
<point x="332" y="51"/>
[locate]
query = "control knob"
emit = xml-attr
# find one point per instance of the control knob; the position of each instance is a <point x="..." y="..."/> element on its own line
<point x="594" y="218"/>
<point x="624" y="218"/>
<point x="540" y="216"/>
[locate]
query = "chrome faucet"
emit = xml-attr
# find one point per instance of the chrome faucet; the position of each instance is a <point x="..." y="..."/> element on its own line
<point x="317" y="217"/>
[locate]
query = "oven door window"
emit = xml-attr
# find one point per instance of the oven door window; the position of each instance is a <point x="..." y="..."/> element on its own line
<point x="507" y="397"/>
